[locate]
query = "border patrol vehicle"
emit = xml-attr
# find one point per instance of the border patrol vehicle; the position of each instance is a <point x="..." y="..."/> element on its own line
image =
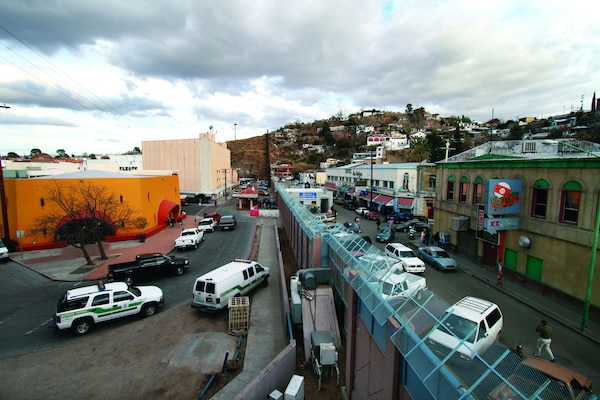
<point x="212" y="290"/>
<point x="79" y="309"/>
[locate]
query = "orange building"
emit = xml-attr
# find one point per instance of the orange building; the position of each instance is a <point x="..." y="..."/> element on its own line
<point x="152" y="197"/>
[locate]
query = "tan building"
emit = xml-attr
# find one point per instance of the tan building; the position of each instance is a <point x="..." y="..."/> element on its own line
<point x="203" y="165"/>
<point x="550" y="240"/>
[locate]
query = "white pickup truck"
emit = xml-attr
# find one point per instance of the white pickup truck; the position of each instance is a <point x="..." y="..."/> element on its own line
<point x="189" y="238"/>
<point x="395" y="284"/>
<point x="208" y="224"/>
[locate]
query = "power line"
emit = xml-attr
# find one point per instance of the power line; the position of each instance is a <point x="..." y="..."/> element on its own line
<point x="56" y="68"/>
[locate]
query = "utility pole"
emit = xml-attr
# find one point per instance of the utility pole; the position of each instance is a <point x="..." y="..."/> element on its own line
<point x="234" y="131"/>
<point x="225" y="171"/>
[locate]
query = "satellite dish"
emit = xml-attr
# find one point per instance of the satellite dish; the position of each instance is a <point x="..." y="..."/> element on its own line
<point x="524" y="242"/>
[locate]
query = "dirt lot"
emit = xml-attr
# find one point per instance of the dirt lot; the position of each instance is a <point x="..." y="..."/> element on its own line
<point x="129" y="362"/>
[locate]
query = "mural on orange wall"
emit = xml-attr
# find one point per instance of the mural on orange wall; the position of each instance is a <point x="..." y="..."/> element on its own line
<point x="47" y="209"/>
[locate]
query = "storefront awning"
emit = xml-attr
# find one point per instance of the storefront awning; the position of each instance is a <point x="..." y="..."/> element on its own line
<point x="330" y="186"/>
<point x="383" y="199"/>
<point x="404" y="202"/>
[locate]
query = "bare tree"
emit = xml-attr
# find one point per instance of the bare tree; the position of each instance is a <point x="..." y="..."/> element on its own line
<point x="86" y="214"/>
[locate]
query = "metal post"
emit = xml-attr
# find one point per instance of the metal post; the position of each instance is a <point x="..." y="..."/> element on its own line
<point x="588" y="292"/>
<point x="371" y="182"/>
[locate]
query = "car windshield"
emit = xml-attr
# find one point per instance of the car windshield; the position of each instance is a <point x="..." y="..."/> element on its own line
<point x="206" y="222"/>
<point x="462" y="328"/>
<point x="407" y="254"/>
<point x="440" y="254"/>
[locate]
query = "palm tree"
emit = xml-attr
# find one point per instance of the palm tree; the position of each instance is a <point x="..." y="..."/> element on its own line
<point x="419" y="150"/>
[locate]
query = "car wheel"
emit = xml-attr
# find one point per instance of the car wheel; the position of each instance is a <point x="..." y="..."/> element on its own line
<point x="195" y="245"/>
<point x="179" y="270"/>
<point x="82" y="326"/>
<point x="149" y="310"/>
<point x="128" y="280"/>
<point x="419" y="295"/>
<point x="266" y="282"/>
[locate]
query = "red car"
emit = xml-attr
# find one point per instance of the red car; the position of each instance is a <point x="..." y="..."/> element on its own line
<point x="372" y="215"/>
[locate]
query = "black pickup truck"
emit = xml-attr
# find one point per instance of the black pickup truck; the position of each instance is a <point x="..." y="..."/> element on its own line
<point x="146" y="266"/>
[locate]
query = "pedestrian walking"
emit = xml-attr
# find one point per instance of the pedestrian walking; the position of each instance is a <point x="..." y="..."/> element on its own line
<point x="436" y="239"/>
<point x="180" y="222"/>
<point x="499" y="283"/>
<point x="378" y="223"/>
<point x="427" y="237"/>
<point x="545" y="339"/>
<point x="423" y="237"/>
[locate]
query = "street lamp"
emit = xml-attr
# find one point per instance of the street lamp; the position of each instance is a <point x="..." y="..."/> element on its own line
<point x="234" y="131"/>
<point x="588" y="292"/>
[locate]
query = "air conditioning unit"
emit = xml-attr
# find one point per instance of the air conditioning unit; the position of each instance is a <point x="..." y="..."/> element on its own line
<point x="275" y="395"/>
<point x="460" y="224"/>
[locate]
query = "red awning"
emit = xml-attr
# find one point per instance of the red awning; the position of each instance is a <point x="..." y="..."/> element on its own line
<point x="330" y="186"/>
<point x="351" y="191"/>
<point x="383" y="199"/>
<point x="405" y="202"/>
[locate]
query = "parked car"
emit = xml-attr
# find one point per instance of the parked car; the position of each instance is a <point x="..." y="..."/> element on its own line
<point x="471" y="326"/>
<point x="189" y="238"/>
<point x="533" y="373"/>
<point x="372" y="216"/>
<point x="385" y="234"/>
<point x="3" y="252"/>
<point x="361" y="210"/>
<point x="396" y="284"/>
<point x="81" y="308"/>
<point x="409" y="259"/>
<point x="207" y="224"/>
<point x="437" y="257"/>
<point x="214" y="215"/>
<point x="352" y="226"/>
<point x="329" y="217"/>
<point x="227" y="222"/>
<point x="146" y="266"/>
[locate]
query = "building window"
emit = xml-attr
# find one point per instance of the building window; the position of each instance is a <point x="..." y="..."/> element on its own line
<point x="450" y="189"/>
<point x="431" y="181"/>
<point x="539" y="199"/>
<point x="463" y="189"/>
<point x="569" y="209"/>
<point x="478" y="191"/>
<point x="405" y="181"/>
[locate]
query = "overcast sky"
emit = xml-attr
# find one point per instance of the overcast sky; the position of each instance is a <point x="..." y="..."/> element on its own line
<point x="103" y="76"/>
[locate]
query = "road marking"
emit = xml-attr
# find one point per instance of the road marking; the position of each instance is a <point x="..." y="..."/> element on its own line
<point x="41" y="325"/>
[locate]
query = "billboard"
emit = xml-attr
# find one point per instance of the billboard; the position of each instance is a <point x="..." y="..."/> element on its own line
<point x="503" y="196"/>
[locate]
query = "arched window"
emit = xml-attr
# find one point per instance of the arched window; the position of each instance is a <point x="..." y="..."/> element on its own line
<point x="463" y="189"/>
<point x="539" y="198"/>
<point x="570" y="201"/>
<point x="478" y="191"/>
<point x="450" y="189"/>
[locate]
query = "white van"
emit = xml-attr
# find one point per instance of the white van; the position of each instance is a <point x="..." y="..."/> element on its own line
<point x="211" y="291"/>
<point x="475" y="322"/>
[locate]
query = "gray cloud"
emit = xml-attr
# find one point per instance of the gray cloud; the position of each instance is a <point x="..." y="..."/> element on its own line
<point x="460" y="58"/>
